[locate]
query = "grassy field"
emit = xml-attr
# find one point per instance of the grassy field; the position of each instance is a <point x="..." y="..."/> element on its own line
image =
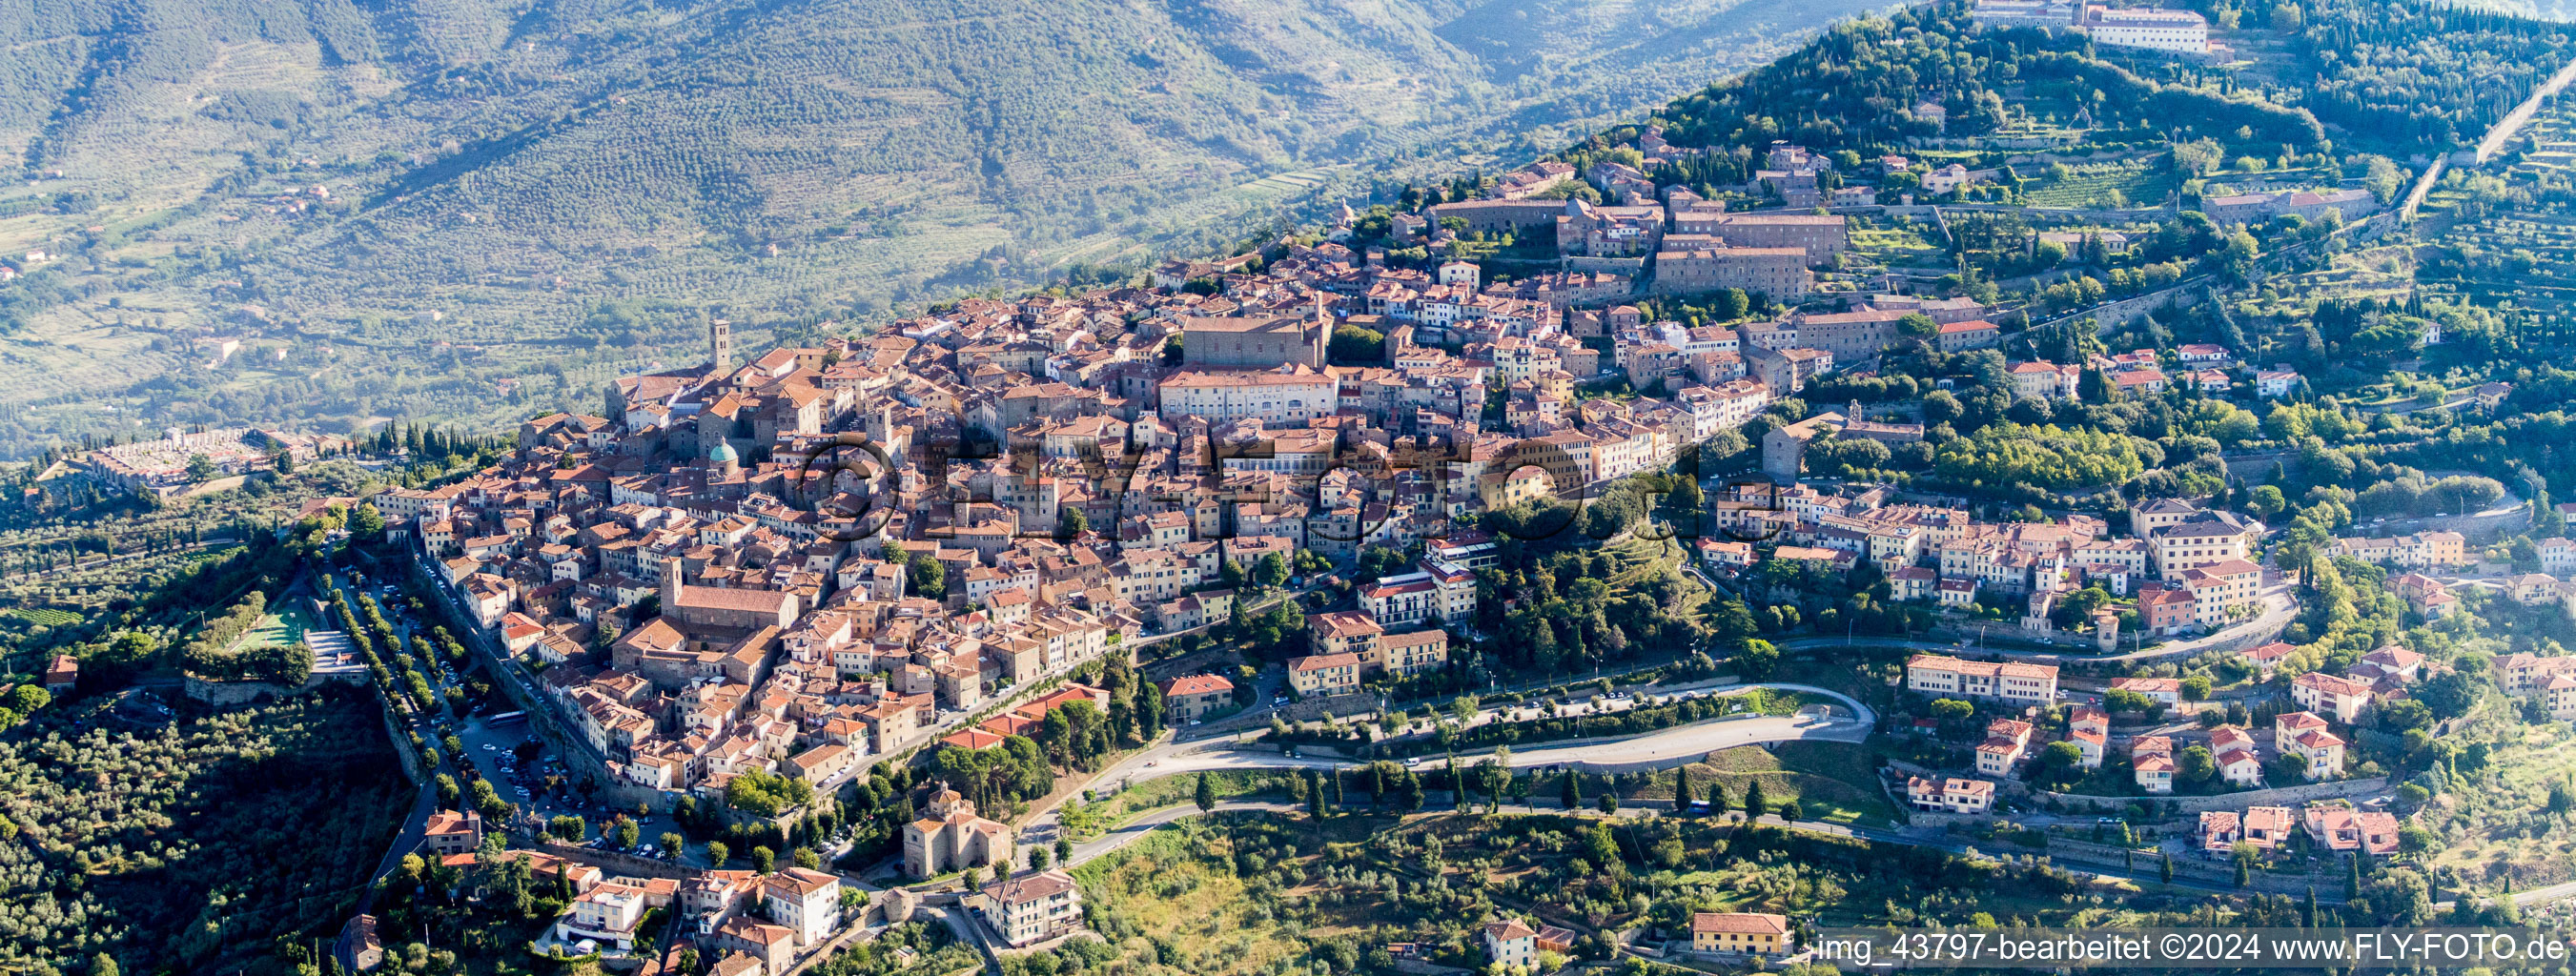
<point x="2137" y="183"/>
<point x="1088" y="820"/>
<point x="1900" y="246"/>
<point x="1833" y="782"/>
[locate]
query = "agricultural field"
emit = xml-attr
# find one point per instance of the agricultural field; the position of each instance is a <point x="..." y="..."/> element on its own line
<point x="43" y="616"/>
<point x="1235" y="894"/>
<point x="1231" y="894"/>
<point x="204" y="845"/>
<point x="1898" y="244"/>
<point x="72" y="536"/>
<point x="2107" y="185"/>
<point x="2501" y="835"/>
<point x="2504" y="237"/>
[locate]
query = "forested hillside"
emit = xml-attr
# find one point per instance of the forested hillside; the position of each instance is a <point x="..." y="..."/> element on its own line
<point x="557" y="190"/>
<point x="2395" y="76"/>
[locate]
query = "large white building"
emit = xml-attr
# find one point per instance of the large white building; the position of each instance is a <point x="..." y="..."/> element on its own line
<point x="804" y="900"/>
<point x="2156" y="29"/>
<point x="1434" y="590"/>
<point x="605" y="915"/>
<point x="1033" y="908"/>
<point x="1934" y="674"/>
<point x="1286" y="396"/>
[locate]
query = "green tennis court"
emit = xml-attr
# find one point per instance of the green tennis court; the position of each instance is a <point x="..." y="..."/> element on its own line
<point x="284" y="626"/>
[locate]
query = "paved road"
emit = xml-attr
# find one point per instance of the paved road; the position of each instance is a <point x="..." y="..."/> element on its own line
<point x="1129" y="833"/>
<point x="2279" y="608"/>
<point x="2506" y="128"/>
<point x="1665" y="747"/>
<point x="2535" y="896"/>
<point x="415" y="829"/>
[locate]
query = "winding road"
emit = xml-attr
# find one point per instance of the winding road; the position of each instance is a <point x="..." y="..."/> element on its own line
<point x="1664" y="747"/>
<point x="2279" y="608"/>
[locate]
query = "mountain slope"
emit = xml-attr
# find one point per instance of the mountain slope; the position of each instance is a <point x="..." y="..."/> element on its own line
<point x="410" y="206"/>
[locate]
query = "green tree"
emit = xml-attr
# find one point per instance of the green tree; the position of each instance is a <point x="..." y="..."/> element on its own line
<point x="2267" y="501"/>
<point x="764" y="860"/>
<point x="1757" y="660"/>
<point x="929" y="578"/>
<point x="1271" y="572"/>
<point x="1755" y="802"/>
<point x="1206" y="795"/>
<point x="1462" y="709"/>
<point x="1355" y="345"/>
<point x="367" y="524"/>
<point x="718" y="853"/>
<point x="1600" y="846"/>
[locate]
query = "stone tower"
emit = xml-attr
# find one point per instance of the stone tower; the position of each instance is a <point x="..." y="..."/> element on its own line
<point x="720" y="344"/>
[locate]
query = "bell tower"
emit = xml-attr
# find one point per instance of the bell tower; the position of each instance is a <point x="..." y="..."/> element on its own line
<point x="720" y="344"/>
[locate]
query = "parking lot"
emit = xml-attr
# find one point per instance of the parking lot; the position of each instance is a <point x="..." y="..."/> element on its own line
<point x="495" y="753"/>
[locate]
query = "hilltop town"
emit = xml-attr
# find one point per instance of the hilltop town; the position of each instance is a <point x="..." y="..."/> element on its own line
<point x="1024" y="526"/>
<point x="1979" y="502"/>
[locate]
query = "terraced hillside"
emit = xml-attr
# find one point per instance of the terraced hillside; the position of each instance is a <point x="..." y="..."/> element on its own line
<point x="2506" y="232"/>
<point x="466" y="207"/>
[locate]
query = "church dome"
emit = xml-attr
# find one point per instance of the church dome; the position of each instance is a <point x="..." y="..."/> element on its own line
<point x="723" y="454"/>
